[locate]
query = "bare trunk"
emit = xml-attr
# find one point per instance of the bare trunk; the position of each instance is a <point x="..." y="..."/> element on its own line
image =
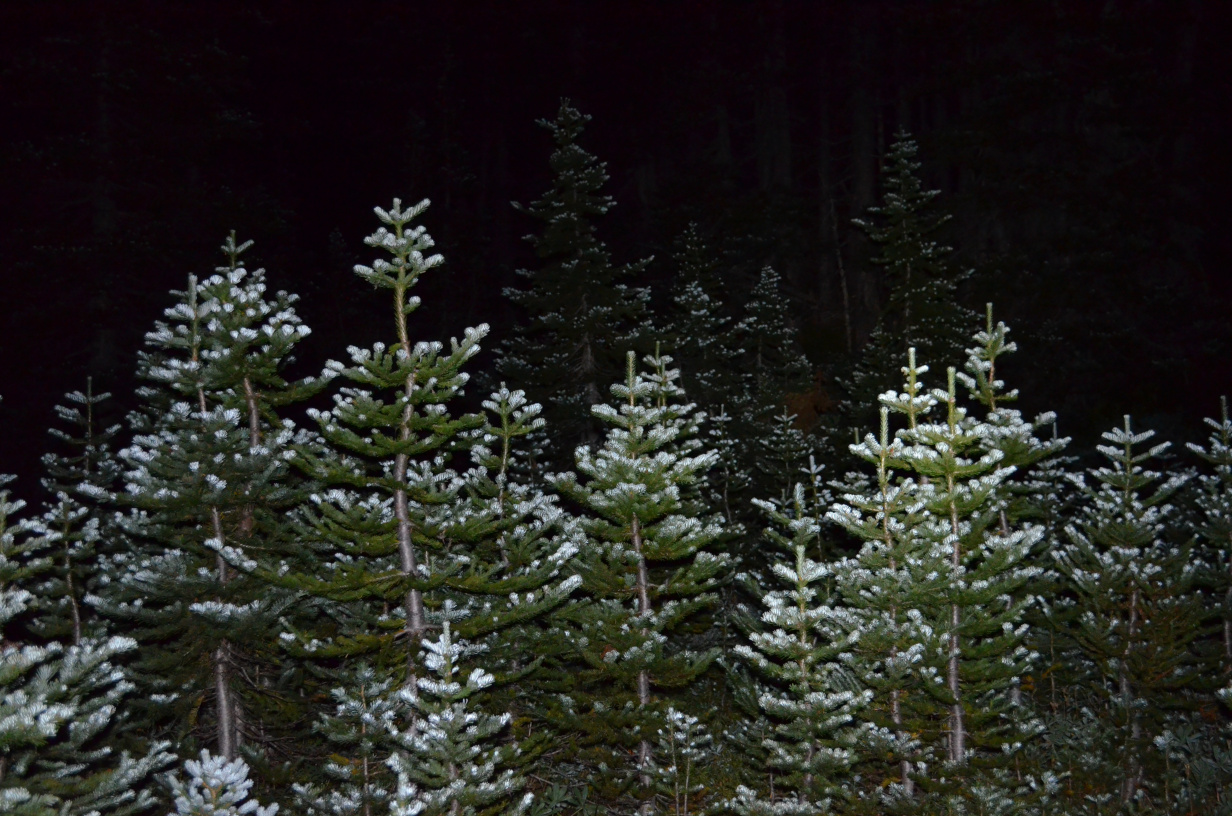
<point x="1133" y="769"/>
<point x="842" y="281"/>
<point x="413" y="606"/>
<point x="958" y="735"/>
<point x="643" y="677"/>
<point x="228" y="708"/>
<point x="73" y="605"/>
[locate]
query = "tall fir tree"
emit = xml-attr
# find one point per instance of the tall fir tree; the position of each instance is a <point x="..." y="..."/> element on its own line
<point x="646" y="571"/>
<point x="923" y="311"/>
<point x="581" y="309"/>
<point x="208" y="486"/>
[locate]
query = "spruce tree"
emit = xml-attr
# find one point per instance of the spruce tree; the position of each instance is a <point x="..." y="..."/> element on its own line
<point x="646" y="571"/>
<point x="581" y="309"/>
<point x="208" y="486"/>
<point x="59" y="705"/>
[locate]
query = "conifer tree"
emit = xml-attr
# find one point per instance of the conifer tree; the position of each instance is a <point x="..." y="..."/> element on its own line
<point x="1215" y="531"/>
<point x="922" y="312"/>
<point x="773" y="450"/>
<point x="699" y="332"/>
<point x="58" y="706"/>
<point x="75" y="523"/>
<point x="682" y="746"/>
<point x="955" y="582"/>
<point x="1134" y="617"/>
<point x="357" y="780"/>
<point x="645" y="570"/>
<point x="208" y="485"/>
<point x="387" y="440"/>
<point x="447" y="759"/>
<point x="813" y="703"/>
<point x="216" y="787"/>
<point x="581" y="309"/>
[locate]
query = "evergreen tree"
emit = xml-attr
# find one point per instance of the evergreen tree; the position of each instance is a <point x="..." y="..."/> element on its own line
<point x="645" y="570"/>
<point x="956" y="601"/>
<point x="446" y="759"/>
<point x="58" y="706"/>
<point x="1134" y="617"/>
<point x="772" y="449"/>
<point x="682" y="746"/>
<point x="387" y="440"/>
<point x="357" y="780"/>
<point x="208" y="485"/>
<point x="216" y="787"/>
<point x="812" y="701"/>
<point x="922" y="312"/>
<point x="581" y="308"/>
<point x="1215" y="532"/>
<point x="75" y="523"/>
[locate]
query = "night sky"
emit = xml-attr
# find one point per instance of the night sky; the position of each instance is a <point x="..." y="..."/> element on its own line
<point x="1081" y="146"/>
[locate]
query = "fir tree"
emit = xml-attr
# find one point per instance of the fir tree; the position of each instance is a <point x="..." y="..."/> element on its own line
<point x="1215" y="502"/>
<point x="645" y="572"/>
<point x="358" y="732"/>
<point x="812" y="701"/>
<point x="447" y="759"/>
<point x="1134" y="618"/>
<point x="58" y="706"/>
<point x="208" y="485"/>
<point x="581" y="308"/>
<point x="682" y="746"/>
<point x="956" y="599"/>
<point x="772" y="450"/>
<point x="76" y="522"/>
<point x="922" y="311"/>
<point x="375" y="531"/>
<point x="216" y="787"/>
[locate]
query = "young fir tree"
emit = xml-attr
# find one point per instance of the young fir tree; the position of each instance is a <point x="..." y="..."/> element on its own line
<point x="208" y="486"/>
<point x="773" y="451"/>
<point x="357" y="732"/>
<point x="922" y="311"/>
<point x="1215" y="532"/>
<point x="448" y="760"/>
<point x="683" y="745"/>
<point x="815" y="706"/>
<point x="646" y="572"/>
<point x="959" y="590"/>
<point x="581" y="310"/>
<point x="1134" y="617"/>
<point x="216" y="787"/>
<point x="58" y="706"/>
<point x="75" y="523"/>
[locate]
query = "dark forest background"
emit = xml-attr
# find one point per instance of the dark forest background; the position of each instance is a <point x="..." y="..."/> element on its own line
<point x="1080" y="146"/>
